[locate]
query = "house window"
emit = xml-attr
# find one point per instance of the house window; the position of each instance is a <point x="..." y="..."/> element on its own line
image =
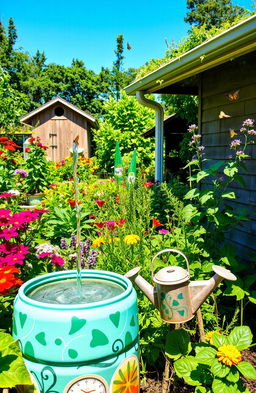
<point x="59" y="111"/>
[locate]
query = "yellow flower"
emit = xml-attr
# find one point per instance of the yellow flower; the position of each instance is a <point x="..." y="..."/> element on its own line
<point x="229" y="355"/>
<point x="208" y="336"/>
<point x="98" y="242"/>
<point x="131" y="239"/>
<point x="114" y="239"/>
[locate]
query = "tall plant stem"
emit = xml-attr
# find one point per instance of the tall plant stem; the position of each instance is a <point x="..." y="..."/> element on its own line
<point x="200" y="325"/>
<point x="168" y="370"/>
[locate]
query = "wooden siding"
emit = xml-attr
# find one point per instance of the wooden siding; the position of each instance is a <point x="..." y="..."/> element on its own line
<point x="58" y="132"/>
<point x="237" y="75"/>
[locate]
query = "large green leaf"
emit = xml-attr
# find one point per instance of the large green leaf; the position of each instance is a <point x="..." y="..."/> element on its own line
<point x="233" y="375"/>
<point x="192" y="193"/>
<point x="206" y="356"/>
<point x="185" y="367"/>
<point x="247" y="370"/>
<point x="221" y="386"/>
<point x="218" y="339"/>
<point x="189" y="212"/>
<point x="219" y="369"/>
<point x="240" y="337"/>
<point x="12" y="368"/>
<point x="177" y="344"/>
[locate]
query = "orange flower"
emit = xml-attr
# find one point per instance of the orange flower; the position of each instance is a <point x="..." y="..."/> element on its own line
<point x="156" y="223"/>
<point x="229" y="355"/>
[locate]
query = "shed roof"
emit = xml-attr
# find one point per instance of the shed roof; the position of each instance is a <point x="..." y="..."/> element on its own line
<point x="26" y="118"/>
<point x="180" y="74"/>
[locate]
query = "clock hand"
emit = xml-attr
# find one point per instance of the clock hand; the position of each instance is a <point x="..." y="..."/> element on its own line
<point x="87" y="391"/>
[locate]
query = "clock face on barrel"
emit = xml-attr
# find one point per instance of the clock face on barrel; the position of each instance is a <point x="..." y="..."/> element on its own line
<point x="87" y="384"/>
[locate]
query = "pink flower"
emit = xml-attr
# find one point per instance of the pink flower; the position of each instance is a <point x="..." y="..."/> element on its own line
<point x="58" y="260"/>
<point x="12" y="259"/>
<point x="53" y="185"/>
<point x="44" y="255"/>
<point x="110" y="225"/>
<point x="99" y="202"/>
<point x="163" y="231"/>
<point x="5" y="213"/>
<point x="8" y="233"/>
<point x="17" y="220"/>
<point x="7" y="195"/>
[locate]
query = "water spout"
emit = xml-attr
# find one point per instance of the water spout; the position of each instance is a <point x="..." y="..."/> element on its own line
<point x="78" y="215"/>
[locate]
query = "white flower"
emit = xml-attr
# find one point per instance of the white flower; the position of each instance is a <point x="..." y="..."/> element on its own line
<point x="15" y="192"/>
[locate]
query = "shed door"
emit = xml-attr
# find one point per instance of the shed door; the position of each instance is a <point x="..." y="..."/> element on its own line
<point x="58" y="146"/>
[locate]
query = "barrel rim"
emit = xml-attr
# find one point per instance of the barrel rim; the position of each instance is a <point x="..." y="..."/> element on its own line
<point x="88" y="273"/>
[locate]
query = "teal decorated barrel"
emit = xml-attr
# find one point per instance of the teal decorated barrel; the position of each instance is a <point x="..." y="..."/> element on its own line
<point x="76" y="348"/>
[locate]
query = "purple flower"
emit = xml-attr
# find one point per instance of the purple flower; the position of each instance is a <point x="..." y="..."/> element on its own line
<point x="63" y="244"/>
<point x="243" y="129"/>
<point x="252" y="132"/>
<point x="234" y="143"/>
<point x="201" y="148"/>
<point x="73" y="241"/>
<point x="239" y="153"/>
<point x="248" y="123"/>
<point x="21" y="172"/>
<point x="192" y="128"/>
<point x="163" y="231"/>
<point x="196" y="136"/>
<point x="92" y="259"/>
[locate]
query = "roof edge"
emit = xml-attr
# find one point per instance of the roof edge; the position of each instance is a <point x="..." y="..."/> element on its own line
<point x="236" y="41"/>
<point x="26" y="117"/>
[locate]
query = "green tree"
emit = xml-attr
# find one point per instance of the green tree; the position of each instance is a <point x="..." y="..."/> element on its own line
<point x="213" y="12"/>
<point x="124" y="121"/>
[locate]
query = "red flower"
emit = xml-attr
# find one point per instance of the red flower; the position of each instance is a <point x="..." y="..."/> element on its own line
<point x="45" y="147"/>
<point x="39" y="144"/>
<point x="148" y="184"/>
<point x="27" y="149"/>
<point x="99" y="224"/>
<point x="8" y="280"/>
<point x="3" y="139"/>
<point x="156" y="223"/>
<point x="121" y="222"/>
<point x="72" y="202"/>
<point x="91" y="216"/>
<point x="99" y="202"/>
<point x="31" y="140"/>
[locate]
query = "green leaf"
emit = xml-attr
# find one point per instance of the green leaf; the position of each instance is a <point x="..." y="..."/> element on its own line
<point x="184" y="366"/>
<point x="233" y="375"/>
<point x="247" y="370"/>
<point x="188" y="212"/>
<point x="205" y="196"/>
<point x="200" y="389"/>
<point x="206" y="356"/>
<point x="192" y="193"/>
<point x="12" y="368"/>
<point x="222" y="386"/>
<point x="177" y="344"/>
<point x="218" y="339"/>
<point x="219" y="369"/>
<point x="201" y="175"/>
<point x="230" y="171"/>
<point x="240" y="337"/>
<point x="230" y="195"/>
<point x="235" y="290"/>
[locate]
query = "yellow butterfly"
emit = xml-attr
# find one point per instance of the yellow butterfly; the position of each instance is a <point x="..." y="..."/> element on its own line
<point x="223" y="115"/>
<point x="233" y="96"/>
<point x="232" y="133"/>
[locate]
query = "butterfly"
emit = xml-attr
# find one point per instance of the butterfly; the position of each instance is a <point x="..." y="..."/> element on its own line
<point x="128" y="46"/>
<point x="223" y="115"/>
<point x="76" y="140"/>
<point x="233" y="96"/>
<point x="232" y="133"/>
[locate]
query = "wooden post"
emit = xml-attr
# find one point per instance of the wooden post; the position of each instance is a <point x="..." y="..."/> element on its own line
<point x="200" y="325"/>
<point x="168" y="369"/>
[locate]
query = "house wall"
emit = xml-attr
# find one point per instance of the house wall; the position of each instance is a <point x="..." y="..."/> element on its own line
<point x="235" y="76"/>
<point x="58" y="132"/>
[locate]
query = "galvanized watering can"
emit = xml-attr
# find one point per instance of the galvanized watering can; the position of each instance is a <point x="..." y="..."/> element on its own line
<point x="175" y="296"/>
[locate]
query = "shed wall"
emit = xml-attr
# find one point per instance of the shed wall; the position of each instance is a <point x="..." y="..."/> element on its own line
<point x="58" y="132"/>
<point x="235" y="76"/>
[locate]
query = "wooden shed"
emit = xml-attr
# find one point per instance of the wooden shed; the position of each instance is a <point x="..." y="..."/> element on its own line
<point x="57" y="123"/>
<point x="221" y="71"/>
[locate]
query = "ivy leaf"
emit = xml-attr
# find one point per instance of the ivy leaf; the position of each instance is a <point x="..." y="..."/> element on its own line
<point x="230" y="195"/>
<point x="218" y="339"/>
<point x="206" y="356"/>
<point x="247" y="370"/>
<point x="177" y="344"/>
<point x="219" y="369"/>
<point x="240" y="337"/>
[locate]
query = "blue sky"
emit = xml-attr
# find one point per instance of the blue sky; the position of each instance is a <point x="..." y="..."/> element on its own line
<point x="87" y="30"/>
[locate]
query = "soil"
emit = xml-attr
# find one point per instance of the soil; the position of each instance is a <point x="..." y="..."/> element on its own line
<point x="154" y="384"/>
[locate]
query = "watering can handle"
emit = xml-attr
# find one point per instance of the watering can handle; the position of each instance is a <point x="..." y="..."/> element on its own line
<point x="169" y="250"/>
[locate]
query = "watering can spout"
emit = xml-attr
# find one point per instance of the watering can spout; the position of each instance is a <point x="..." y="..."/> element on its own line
<point x="200" y="290"/>
<point x="147" y="288"/>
